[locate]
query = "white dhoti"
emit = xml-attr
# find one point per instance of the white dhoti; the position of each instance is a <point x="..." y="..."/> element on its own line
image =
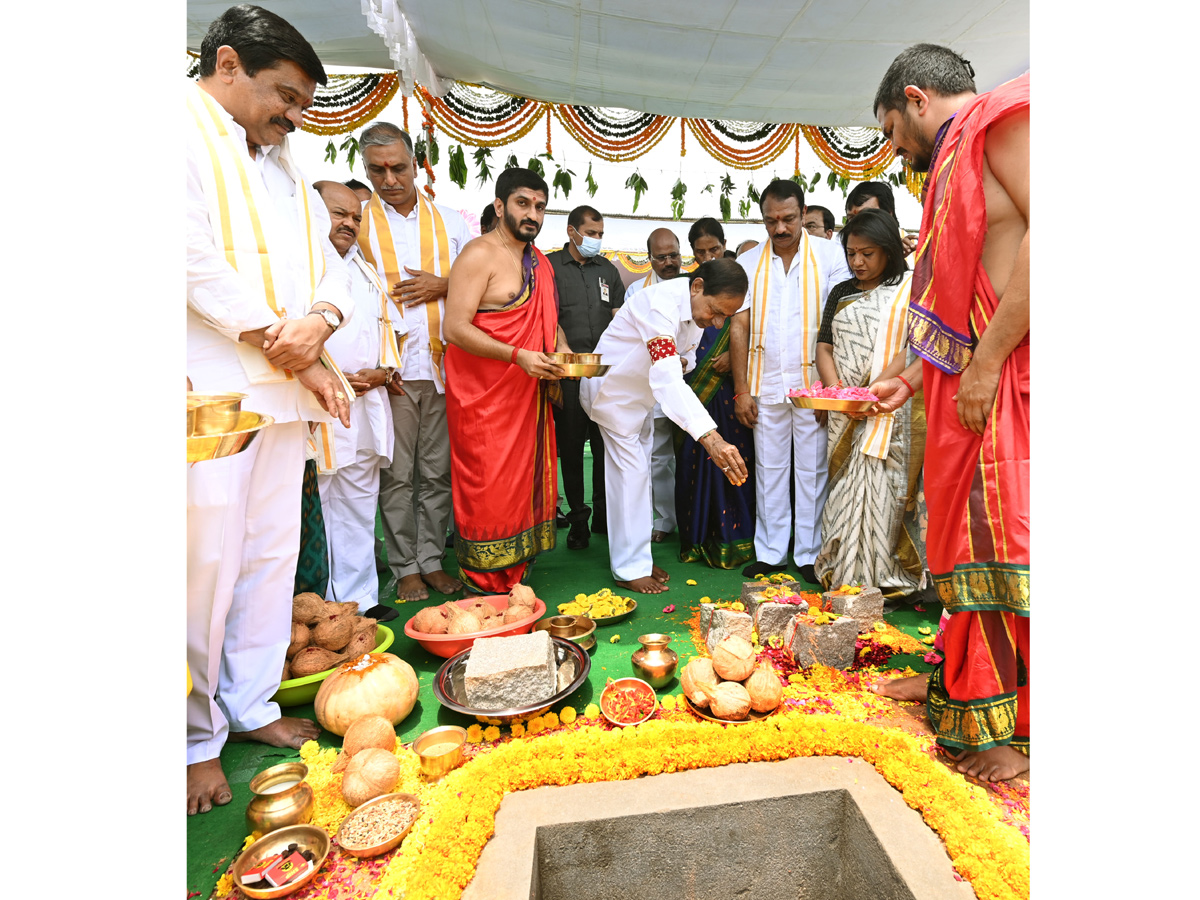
<point x="789" y="440"/>
<point x="662" y="472"/>
<point x="348" y="500"/>
<point x="627" y="492"/>
<point x="243" y="539"/>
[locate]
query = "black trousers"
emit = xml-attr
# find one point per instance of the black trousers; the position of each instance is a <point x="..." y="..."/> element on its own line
<point x="572" y="428"/>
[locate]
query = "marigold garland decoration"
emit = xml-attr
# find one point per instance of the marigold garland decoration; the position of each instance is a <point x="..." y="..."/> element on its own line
<point x="616" y="135"/>
<point x="856" y="153"/>
<point x="762" y="143"/>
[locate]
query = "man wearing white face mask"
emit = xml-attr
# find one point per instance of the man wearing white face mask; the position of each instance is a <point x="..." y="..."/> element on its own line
<point x="590" y="292"/>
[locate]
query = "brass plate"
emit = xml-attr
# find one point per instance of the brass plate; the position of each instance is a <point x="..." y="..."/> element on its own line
<point x="218" y="446"/>
<point x="619" y="617"/>
<point x="306" y="837"/>
<point x="582" y="631"/>
<point x="390" y="843"/>
<point x="753" y="717"/>
<point x="579" y="370"/>
<point x="832" y="405"/>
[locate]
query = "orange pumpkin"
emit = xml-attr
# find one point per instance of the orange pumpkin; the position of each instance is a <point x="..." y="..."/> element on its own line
<point x="374" y="683"/>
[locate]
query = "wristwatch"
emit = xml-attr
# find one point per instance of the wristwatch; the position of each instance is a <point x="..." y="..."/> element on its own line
<point x="331" y="318"/>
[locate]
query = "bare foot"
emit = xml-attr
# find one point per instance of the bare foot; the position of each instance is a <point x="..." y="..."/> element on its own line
<point x="659" y="575"/>
<point x="411" y="587"/>
<point x="206" y="786"/>
<point x="441" y="582"/>
<point x="658" y="536"/>
<point x="285" y="731"/>
<point x="996" y="764"/>
<point x="915" y="688"/>
<point x="647" y="584"/>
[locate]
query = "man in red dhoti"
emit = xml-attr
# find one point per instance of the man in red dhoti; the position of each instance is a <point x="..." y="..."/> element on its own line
<point x="501" y="320"/>
<point x="969" y="323"/>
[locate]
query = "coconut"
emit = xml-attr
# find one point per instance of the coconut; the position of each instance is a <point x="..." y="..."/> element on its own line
<point x="362" y="642"/>
<point x="312" y="660"/>
<point x="516" y="614"/>
<point x="522" y="595"/>
<point x="733" y="658"/>
<point x="699" y="681"/>
<point x="370" y="730"/>
<point x="463" y="621"/>
<point x="287" y="671"/>
<point x="339" y="764"/>
<point x="482" y="609"/>
<point x="370" y="773"/>
<point x="764" y="689"/>
<point x="334" y="632"/>
<point x="730" y="701"/>
<point x="307" y="608"/>
<point x="349" y="607"/>
<point x="431" y="620"/>
<point x="301" y="638"/>
<point x="364" y="623"/>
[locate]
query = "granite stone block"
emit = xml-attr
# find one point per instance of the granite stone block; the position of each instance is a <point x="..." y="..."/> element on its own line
<point x="506" y="672"/>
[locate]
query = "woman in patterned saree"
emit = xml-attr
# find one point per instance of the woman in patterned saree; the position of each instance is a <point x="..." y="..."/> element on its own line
<point x="716" y="518"/>
<point x="870" y="532"/>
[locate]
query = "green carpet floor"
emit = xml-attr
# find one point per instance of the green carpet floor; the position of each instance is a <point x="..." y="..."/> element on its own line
<point x="214" y="838"/>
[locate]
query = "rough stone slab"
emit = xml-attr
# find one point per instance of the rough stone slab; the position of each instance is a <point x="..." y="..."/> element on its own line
<point x="726" y="622"/>
<point x="866" y="607"/>
<point x="505" y="672"/>
<point x="771" y="619"/>
<point x="830" y="645"/>
<point x="752" y="592"/>
<point x="706" y="613"/>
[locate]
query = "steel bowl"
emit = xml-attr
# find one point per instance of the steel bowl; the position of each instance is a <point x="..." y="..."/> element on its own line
<point x="213" y="413"/>
<point x="306" y="837"/>
<point x="363" y="851"/>
<point x="627" y="682"/>
<point x="436" y="765"/>
<point x="218" y="446"/>
<point x="449" y="689"/>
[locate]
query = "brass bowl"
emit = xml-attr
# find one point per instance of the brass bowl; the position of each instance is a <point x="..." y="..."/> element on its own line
<point x="579" y="365"/>
<point x="627" y="682"/>
<point x="436" y="765"/>
<point x="217" y="446"/>
<point x="306" y="837"/>
<point x="281" y="797"/>
<point x="828" y="403"/>
<point x="581" y="631"/>
<point x="213" y="413"/>
<point x="392" y="842"/>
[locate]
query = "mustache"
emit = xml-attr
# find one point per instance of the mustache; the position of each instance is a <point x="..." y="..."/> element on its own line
<point x="283" y="123"/>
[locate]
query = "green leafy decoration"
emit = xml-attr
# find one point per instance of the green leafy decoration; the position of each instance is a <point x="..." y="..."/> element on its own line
<point x="535" y="166"/>
<point x="350" y="145"/>
<point x="832" y="180"/>
<point x="512" y="162"/>
<point x="419" y="152"/>
<point x="592" y="187"/>
<point x="482" y="155"/>
<point x="726" y="184"/>
<point x="637" y="184"/>
<point x="330" y="153"/>
<point x="433" y="150"/>
<point x="677" y="200"/>
<point x="458" y="166"/>
<point x="752" y="192"/>
<point x="708" y="189"/>
<point x="816" y="177"/>
<point x="744" y="207"/>
<point x="726" y="207"/>
<point x="562" y="179"/>
<point x="844" y="184"/>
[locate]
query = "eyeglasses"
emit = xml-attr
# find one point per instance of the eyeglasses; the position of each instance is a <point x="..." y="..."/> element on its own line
<point x="667" y="257"/>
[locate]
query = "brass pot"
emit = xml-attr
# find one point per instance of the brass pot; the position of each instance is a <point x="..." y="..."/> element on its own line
<point x="213" y="413"/>
<point x="281" y="797"/>
<point x="441" y="761"/>
<point x="655" y="663"/>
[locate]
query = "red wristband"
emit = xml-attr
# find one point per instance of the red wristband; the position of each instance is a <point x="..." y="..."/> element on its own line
<point x="907" y="385"/>
<point x="742" y="394"/>
<point x="516" y="350"/>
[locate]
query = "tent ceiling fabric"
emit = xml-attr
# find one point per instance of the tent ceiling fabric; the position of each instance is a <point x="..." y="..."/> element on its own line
<point x="817" y="62"/>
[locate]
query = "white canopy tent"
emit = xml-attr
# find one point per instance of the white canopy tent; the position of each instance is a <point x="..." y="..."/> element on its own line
<point x="817" y="62"/>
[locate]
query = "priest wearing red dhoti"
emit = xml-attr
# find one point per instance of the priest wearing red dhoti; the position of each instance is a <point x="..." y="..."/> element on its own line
<point x="969" y="323"/>
<point x="501" y="321"/>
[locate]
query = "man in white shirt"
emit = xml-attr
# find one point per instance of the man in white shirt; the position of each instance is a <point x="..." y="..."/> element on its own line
<point x="256" y="324"/>
<point x="665" y="263"/>
<point x="878" y="195"/>
<point x="818" y="221"/>
<point x="772" y="343"/>
<point x="412" y="244"/>
<point x="643" y="345"/>
<point x="348" y="477"/>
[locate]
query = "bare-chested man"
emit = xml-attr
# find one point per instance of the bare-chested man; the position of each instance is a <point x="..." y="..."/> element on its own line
<point x="969" y="323"/>
<point x="501" y="321"/>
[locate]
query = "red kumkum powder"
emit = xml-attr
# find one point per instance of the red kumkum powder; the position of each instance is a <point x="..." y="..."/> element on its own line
<point x="627" y="704"/>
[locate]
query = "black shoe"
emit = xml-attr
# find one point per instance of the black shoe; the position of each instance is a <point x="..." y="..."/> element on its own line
<point x="761" y="568"/>
<point x="450" y="541"/>
<point x="381" y="613"/>
<point x="577" y="538"/>
<point x="809" y="574"/>
<point x="560" y="520"/>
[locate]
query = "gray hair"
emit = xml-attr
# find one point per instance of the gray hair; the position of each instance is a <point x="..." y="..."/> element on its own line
<point x="928" y="67"/>
<point x="383" y="134"/>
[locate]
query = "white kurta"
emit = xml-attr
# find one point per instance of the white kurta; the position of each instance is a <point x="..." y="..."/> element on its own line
<point x="788" y="441"/>
<point x="350" y="494"/>
<point x="244" y="510"/>
<point x="406" y="237"/>
<point x="622" y="404"/>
